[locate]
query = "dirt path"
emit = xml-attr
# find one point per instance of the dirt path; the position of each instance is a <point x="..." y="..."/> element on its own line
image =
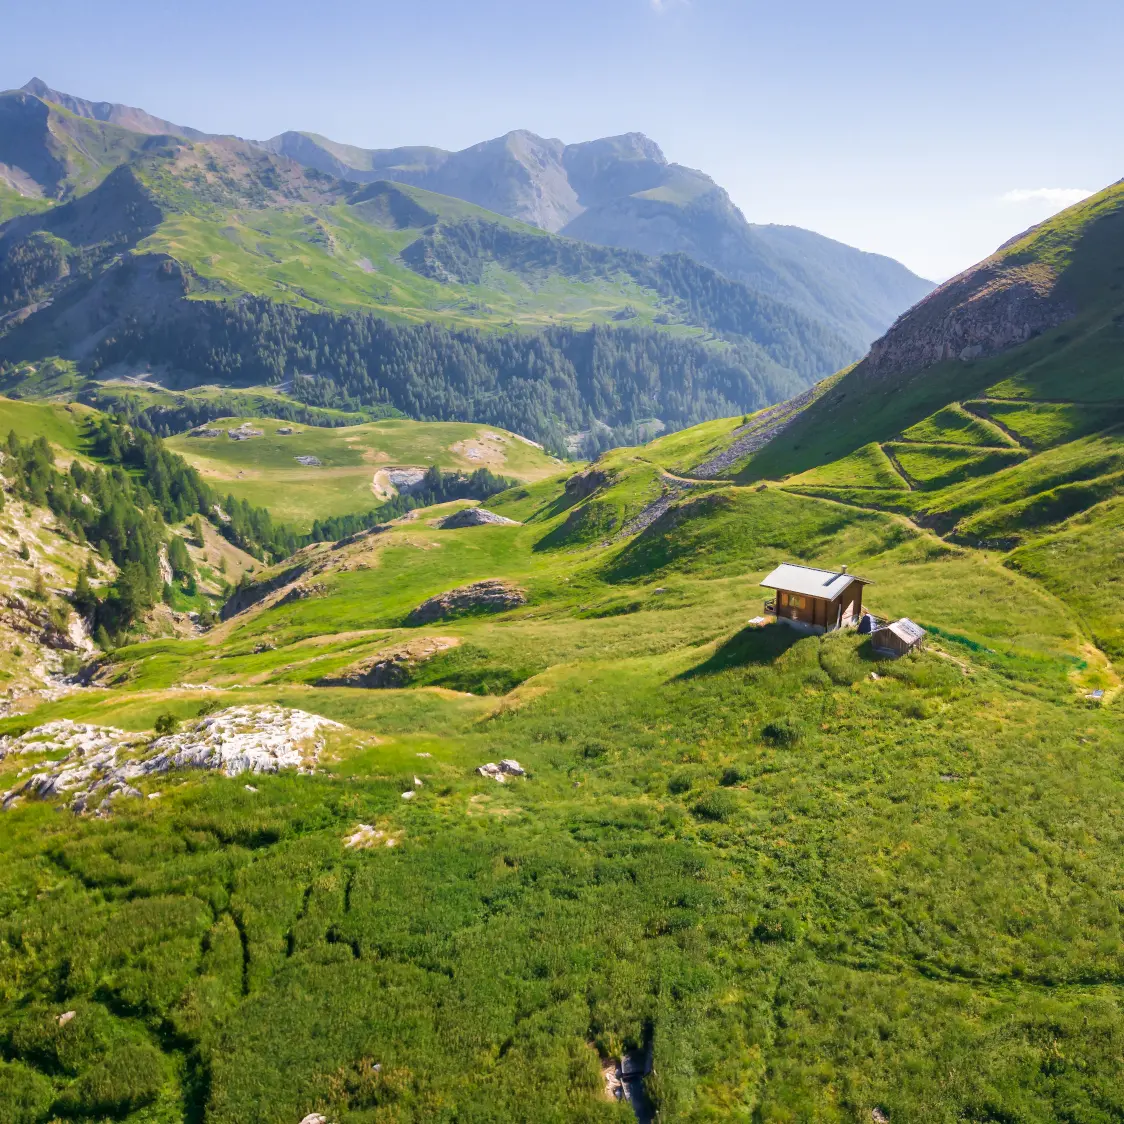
<point x="756" y="433"/>
<point x="910" y="483"/>
<point x="984" y="416"/>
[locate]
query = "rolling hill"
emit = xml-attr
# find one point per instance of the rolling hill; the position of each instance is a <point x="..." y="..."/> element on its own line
<point x="779" y="876"/>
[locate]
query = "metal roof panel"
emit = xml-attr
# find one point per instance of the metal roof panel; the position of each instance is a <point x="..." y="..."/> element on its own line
<point x="809" y="581"/>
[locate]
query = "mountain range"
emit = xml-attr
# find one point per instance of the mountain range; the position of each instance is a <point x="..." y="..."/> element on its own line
<point x="522" y="236"/>
<point x="615" y="191"/>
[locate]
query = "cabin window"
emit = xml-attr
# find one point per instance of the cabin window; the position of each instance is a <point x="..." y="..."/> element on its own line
<point x="792" y="600"/>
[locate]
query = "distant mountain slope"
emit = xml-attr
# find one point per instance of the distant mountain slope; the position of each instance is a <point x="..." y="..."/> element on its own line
<point x="222" y="262"/>
<point x="135" y="120"/>
<point x="621" y="191"/>
<point x="47" y="152"/>
<point x="616" y="191"/>
<point x="1041" y="319"/>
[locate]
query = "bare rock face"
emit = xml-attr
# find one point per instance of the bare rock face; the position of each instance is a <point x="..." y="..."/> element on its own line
<point x="475" y="517"/>
<point x="983" y="311"/>
<point x="392" y="667"/>
<point x="583" y="484"/>
<point x="490" y="596"/>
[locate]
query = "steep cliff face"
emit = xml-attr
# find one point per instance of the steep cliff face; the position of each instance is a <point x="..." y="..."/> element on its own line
<point x="982" y="312"/>
<point x="1055" y="271"/>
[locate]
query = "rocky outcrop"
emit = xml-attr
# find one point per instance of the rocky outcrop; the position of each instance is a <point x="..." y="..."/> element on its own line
<point x="475" y="517"/>
<point x="490" y="596"/>
<point x="302" y="591"/>
<point x="247" y="596"/>
<point x="988" y="309"/>
<point x="583" y="484"/>
<point x="508" y="767"/>
<point x="35" y="622"/>
<point x="392" y="667"/>
<point x="100" y="762"/>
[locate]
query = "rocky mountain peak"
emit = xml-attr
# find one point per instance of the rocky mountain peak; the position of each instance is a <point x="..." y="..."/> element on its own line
<point x="125" y="116"/>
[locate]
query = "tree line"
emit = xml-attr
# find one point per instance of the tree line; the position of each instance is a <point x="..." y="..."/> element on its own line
<point x="544" y="386"/>
<point x="125" y="506"/>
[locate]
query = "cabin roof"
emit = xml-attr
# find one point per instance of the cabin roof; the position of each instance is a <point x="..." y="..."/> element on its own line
<point x="903" y="629"/>
<point x="809" y="581"/>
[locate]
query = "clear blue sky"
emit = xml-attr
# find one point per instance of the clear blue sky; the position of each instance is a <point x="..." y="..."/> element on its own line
<point x="930" y="131"/>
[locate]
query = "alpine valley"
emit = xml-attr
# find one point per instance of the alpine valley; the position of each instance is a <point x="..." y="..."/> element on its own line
<point x="552" y="289"/>
<point x="395" y="728"/>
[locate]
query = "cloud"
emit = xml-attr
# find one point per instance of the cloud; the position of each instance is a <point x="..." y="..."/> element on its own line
<point x="1055" y="196"/>
<point x="666" y="5"/>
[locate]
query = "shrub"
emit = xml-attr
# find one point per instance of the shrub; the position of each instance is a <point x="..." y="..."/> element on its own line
<point x="167" y="723"/>
<point x="717" y="805"/>
<point x="680" y="783"/>
<point x="783" y="732"/>
<point x="776" y="925"/>
<point x="734" y="775"/>
<point x="126" y="1080"/>
<point x="25" y="1095"/>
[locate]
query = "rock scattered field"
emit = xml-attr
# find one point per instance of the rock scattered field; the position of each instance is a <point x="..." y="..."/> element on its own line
<point x="101" y="762"/>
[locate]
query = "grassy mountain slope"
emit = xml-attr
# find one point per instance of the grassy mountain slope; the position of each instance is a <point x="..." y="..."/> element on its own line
<point x="1015" y="444"/>
<point x="351" y="477"/>
<point x="811" y="891"/>
<point x="621" y="191"/>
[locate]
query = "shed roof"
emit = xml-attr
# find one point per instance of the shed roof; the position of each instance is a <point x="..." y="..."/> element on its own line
<point x="903" y="629"/>
<point x="809" y="581"/>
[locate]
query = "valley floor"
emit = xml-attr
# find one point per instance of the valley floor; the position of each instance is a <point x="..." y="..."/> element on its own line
<point x="813" y="884"/>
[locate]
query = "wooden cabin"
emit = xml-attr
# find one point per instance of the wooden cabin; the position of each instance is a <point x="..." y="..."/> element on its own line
<point x="815" y="600"/>
<point x="898" y="638"/>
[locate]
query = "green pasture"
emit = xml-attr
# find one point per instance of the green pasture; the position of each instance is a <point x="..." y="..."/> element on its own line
<point x="813" y="882"/>
<point x="264" y="470"/>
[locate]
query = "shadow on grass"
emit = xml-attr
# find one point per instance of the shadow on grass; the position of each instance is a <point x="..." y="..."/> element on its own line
<point x="750" y="646"/>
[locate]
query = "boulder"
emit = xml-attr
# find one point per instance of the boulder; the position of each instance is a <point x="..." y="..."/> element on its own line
<point x="508" y="767"/>
<point x="490" y="596"/>
<point x="391" y="667"/>
<point x="475" y="517"/>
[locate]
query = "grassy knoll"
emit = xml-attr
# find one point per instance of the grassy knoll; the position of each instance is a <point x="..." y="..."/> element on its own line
<point x="264" y="470"/>
<point x="939" y="466"/>
<point x="60" y="424"/>
<point x="813" y="882"/>
<point x="868" y="467"/>
<point x="953" y="425"/>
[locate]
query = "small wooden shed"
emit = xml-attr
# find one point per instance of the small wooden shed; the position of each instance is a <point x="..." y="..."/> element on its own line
<point x="898" y="638"/>
<point x="815" y="600"/>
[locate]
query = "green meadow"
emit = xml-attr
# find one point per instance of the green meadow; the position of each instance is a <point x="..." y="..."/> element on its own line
<point x="264" y="470"/>
<point x="812" y="882"/>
